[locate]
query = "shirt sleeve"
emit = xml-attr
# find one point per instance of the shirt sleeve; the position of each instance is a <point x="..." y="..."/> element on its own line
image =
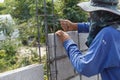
<point x="83" y="27"/>
<point x="95" y="60"/>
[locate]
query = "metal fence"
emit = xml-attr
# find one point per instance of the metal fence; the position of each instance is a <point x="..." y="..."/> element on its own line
<point x="58" y="65"/>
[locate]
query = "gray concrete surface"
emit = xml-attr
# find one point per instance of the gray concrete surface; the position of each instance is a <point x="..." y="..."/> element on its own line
<point x="32" y="72"/>
<point x="86" y="78"/>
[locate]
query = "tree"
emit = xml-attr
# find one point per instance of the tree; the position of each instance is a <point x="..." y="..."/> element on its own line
<point x="71" y="11"/>
<point x="2" y="8"/>
<point x="19" y="9"/>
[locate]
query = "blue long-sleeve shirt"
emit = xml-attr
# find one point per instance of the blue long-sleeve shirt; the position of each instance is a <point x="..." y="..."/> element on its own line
<point x="103" y="55"/>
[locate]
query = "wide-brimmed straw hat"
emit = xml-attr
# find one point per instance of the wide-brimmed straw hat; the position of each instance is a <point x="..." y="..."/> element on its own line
<point x="97" y="5"/>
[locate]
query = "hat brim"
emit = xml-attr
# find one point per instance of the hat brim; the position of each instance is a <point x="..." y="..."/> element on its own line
<point x="87" y="7"/>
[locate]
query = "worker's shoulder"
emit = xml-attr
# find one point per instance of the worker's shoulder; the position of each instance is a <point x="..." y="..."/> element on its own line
<point x="109" y="30"/>
<point x="108" y="33"/>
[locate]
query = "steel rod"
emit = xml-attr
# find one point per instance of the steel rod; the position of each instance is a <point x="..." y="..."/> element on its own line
<point x="53" y="21"/>
<point x="46" y="34"/>
<point x="38" y="28"/>
<point x="79" y="48"/>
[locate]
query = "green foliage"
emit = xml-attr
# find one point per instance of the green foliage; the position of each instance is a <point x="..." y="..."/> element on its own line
<point x="10" y="49"/>
<point x="2" y="61"/>
<point x="3" y="66"/>
<point x="28" y="31"/>
<point x="52" y="18"/>
<point x="11" y="59"/>
<point x="2" y="53"/>
<point x="2" y="8"/>
<point x="7" y="55"/>
<point x="25" y="59"/>
<point x="73" y="12"/>
<point x="18" y="9"/>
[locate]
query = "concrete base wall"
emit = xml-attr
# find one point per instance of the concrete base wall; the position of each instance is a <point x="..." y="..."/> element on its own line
<point x="32" y="72"/>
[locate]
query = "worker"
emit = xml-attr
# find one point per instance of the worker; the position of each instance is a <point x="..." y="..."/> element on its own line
<point x="103" y="55"/>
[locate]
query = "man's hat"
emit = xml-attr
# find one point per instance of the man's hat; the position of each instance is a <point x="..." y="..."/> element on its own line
<point x="97" y="5"/>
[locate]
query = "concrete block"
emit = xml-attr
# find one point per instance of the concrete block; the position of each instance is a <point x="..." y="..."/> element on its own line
<point x="54" y="44"/>
<point x="32" y="72"/>
<point x="89" y="78"/>
<point x="76" y="78"/>
<point x="86" y="78"/>
<point x="82" y="40"/>
<point x="64" y="68"/>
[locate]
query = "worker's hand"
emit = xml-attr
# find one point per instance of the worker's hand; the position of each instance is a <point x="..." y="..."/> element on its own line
<point x="62" y="35"/>
<point x="67" y="25"/>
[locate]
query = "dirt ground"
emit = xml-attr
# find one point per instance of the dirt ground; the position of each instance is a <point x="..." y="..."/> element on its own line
<point x="26" y="51"/>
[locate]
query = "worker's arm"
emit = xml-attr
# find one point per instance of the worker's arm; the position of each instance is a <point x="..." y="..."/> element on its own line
<point x="67" y="25"/>
<point x="100" y="55"/>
